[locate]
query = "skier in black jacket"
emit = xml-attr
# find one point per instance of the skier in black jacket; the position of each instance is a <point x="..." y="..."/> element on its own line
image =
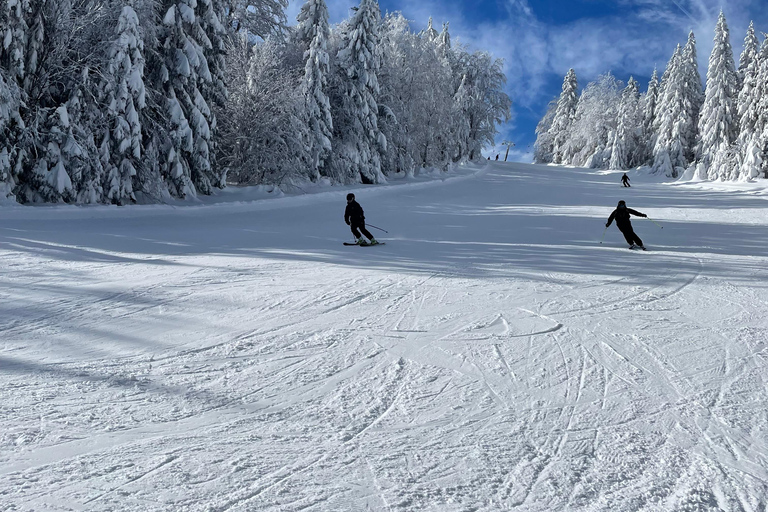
<point x="625" y="180"/>
<point x="355" y="218"/>
<point x="621" y="214"/>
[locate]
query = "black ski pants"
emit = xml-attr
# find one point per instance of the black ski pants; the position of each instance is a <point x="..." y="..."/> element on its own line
<point x="358" y="227"/>
<point x="626" y="184"/>
<point x="630" y="235"/>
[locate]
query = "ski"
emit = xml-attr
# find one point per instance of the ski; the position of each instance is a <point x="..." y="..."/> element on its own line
<point x="364" y="245"/>
<point x="634" y="247"/>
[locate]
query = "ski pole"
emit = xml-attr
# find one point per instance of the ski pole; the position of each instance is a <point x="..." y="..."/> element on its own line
<point x="650" y="219"/>
<point x="603" y="237"/>
<point x="374" y="227"/>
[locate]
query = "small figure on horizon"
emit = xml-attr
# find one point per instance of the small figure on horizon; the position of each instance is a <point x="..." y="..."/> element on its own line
<point x="625" y="180"/>
<point x="497" y="158"/>
<point x="622" y="214"/>
<point x="355" y="218"/>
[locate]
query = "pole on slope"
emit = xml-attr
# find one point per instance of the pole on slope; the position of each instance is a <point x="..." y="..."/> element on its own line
<point x="603" y="237"/>
<point x="509" y="144"/>
<point x="374" y="227"/>
<point x="650" y="219"/>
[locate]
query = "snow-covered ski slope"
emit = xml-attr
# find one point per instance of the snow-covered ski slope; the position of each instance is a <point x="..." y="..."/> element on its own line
<point x="494" y="355"/>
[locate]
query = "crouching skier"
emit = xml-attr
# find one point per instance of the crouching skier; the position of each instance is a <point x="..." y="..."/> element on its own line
<point x="355" y="218"/>
<point x="621" y="214"/>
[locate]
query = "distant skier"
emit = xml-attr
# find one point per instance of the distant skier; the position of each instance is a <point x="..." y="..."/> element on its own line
<point x="355" y="218"/>
<point x="497" y="158"/>
<point x="625" y="180"/>
<point x="621" y="214"/>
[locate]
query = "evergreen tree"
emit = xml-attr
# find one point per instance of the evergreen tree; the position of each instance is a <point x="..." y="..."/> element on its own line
<point x="693" y="97"/>
<point x="544" y="146"/>
<point x="671" y="120"/>
<point x="187" y="40"/>
<point x="753" y="111"/>
<point x="10" y="100"/>
<point x="564" y="116"/>
<point x="650" y="106"/>
<point x="313" y="33"/>
<point x="625" y="142"/>
<point x="15" y="32"/>
<point x="359" y="140"/>
<point x="748" y="56"/>
<point x="718" y="122"/>
<point x="125" y="98"/>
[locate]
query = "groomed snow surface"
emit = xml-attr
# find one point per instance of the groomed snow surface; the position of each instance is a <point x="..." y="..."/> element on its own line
<point x="233" y="355"/>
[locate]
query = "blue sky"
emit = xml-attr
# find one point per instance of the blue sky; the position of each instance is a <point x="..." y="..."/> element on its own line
<point x="540" y="39"/>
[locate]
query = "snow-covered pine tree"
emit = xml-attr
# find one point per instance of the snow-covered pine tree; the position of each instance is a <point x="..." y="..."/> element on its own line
<point x="542" y="149"/>
<point x="650" y="103"/>
<point x="10" y="100"/>
<point x="358" y="139"/>
<point x="668" y="154"/>
<point x="313" y="33"/>
<point x="693" y="96"/>
<point x="753" y="112"/>
<point x="749" y="54"/>
<point x="718" y="121"/>
<point x="14" y="32"/>
<point x="51" y="180"/>
<point x="628" y="128"/>
<point x="564" y="116"/>
<point x="186" y="42"/>
<point x="125" y="97"/>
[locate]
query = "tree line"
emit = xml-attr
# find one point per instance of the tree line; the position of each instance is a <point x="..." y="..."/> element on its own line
<point x="118" y="101"/>
<point x="676" y="128"/>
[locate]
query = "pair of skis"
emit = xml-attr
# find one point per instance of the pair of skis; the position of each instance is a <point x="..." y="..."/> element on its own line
<point x="364" y="244"/>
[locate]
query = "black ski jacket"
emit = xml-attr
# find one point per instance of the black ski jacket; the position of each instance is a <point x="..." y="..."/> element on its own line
<point x="354" y="213"/>
<point x="622" y="217"/>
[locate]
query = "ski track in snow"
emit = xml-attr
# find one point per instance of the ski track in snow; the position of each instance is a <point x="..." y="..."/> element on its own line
<point x="494" y="355"/>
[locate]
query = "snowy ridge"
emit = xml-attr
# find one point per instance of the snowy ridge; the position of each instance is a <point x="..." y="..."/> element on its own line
<point x="494" y="355"/>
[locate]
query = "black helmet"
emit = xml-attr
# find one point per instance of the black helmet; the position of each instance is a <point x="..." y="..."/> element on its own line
<point x="350" y="196"/>
<point x="622" y="204"/>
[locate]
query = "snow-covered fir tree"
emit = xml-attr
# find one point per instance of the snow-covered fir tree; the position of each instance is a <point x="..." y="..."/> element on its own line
<point x="753" y="114"/>
<point x="629" y="127"/>
<point x="185" y="76"/>
<point x="564" y="116"/>
<point x="10" y="100"/>
<point x="13" y="51"/>
<point x="313" y="33"/>
<point x="718" y="121"/>
<point x="671" y="120"/>
<point x="544" y="146"/>
<point x="693" y="95"/>
<point x="749" y="54"/>
<point x="358" y="141"/>
<point x="650" y="102"/>
<point x="125" y="96"/>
